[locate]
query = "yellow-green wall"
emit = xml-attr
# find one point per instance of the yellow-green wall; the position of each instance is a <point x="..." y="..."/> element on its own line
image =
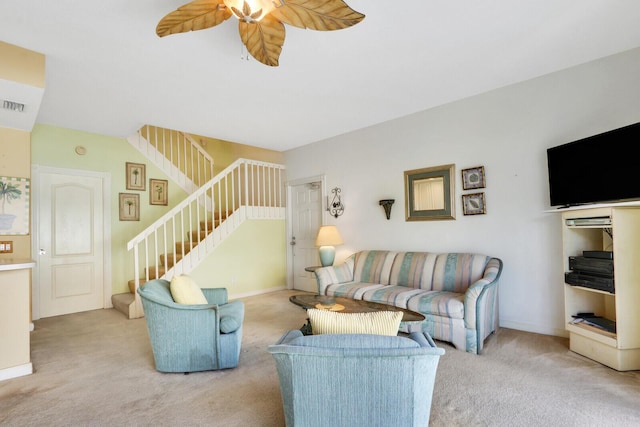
<point x="224" y="152"/>
<point x="55" y="147"/>
<point x="250" y="260"/>
<point x="246" y="247"/>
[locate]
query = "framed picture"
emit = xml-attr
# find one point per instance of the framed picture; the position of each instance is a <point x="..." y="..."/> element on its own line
<point x="430" y="193"/>
<point x="14" y="206"/>
<point x="136" y="176"/>
<point x="473" y="204"/>
<point x="158" y="192"/>
<point x="473" y="178"/>
<point x="129" y="207"/>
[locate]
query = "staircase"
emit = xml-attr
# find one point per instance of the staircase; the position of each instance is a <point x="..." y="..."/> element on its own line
<point x="177" y="154"/>
<point x="168" y="260"/>
<point x="182" y="238"/>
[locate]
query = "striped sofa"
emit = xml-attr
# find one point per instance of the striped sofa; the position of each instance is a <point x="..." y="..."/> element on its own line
<point x="456" y="292"/>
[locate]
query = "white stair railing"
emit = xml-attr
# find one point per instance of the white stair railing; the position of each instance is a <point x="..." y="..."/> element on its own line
<point x="176" y="153"/>
<point x="185" y="235"/>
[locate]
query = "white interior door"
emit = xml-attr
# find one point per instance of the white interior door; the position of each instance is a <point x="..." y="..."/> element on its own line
<point x="306" y="218"/>
<point x="70" y="243"/>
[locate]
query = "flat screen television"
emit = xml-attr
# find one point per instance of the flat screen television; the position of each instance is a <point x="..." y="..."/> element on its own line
<point x="598" y="169"/>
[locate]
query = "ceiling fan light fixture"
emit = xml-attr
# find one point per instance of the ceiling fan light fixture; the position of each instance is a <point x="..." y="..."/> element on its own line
<point x="261" y="22"/>
<point x="250" y="10"/>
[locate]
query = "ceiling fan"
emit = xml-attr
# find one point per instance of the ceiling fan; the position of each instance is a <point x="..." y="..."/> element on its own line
<point x="261" y="22"/>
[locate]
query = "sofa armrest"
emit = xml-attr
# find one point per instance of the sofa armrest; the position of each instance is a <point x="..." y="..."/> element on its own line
<point x="216" y="295"/>
<point x="477" y="299"/>
<point x="289" y="336"/>
<point x="340" y="273"/>
<point x="425" y="341"/>
<point x="231" y="316"/>
<point x="173" y="326"/>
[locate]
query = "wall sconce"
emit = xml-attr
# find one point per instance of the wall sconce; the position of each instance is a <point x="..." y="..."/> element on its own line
<point x="386" y="204"/>
<point x="336" y="208"/>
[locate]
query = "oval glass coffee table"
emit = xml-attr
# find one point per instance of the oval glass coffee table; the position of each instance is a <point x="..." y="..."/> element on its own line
<point x="348" y="305"/>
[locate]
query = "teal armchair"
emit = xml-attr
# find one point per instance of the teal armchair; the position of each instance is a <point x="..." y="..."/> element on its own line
<point x="356" y="380"/>
<point x="191" y="338"/>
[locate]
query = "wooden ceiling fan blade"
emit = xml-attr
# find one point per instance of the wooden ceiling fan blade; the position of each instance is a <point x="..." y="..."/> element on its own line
<point x="320" y="15"/>
<point x="197" y="15"/>
<point x="263" y="39"/>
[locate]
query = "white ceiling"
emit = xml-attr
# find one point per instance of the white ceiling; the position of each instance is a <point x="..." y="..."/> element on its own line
<point x="108" y="73"/>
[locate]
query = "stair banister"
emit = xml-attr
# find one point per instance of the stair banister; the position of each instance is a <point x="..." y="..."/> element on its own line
<point x="180" y="156"/>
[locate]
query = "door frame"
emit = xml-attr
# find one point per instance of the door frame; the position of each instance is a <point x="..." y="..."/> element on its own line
<point x="36" y="171"/>
<point x="323" y="208"/>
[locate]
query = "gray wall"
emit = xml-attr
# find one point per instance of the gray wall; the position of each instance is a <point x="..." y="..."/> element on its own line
<point x="507" y="131"/>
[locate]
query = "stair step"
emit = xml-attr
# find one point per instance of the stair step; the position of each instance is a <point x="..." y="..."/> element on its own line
<point x="221" y="215"/>
<point x="180" y="245"/>
<point x="156" y="272"/>
<point x="210" y="224"/>
<point x="123" y="303"/>
<point x="171" y="259"/>
<point x="198" y="236"/>
<point x="132" y="284"/>
<point x="152" y="275"/>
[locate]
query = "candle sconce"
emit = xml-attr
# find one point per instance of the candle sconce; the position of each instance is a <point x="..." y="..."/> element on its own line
<point x="336" y="208"/>
<point x="386" y="204"/>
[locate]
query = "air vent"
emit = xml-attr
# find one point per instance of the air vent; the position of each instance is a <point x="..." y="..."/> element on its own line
<point x="13" y="106"/>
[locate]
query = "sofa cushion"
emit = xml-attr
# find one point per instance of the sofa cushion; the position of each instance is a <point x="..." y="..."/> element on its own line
<point x="397" y="296"/>
<point x="185" y="291"/>
<point x="446" y="304"/>
<point x="331" y="322"/>
<point x="455" y="272"/>
<point x="351" y="290"/>
<point x="413" y="270"/>
<point x="373" y="266"/>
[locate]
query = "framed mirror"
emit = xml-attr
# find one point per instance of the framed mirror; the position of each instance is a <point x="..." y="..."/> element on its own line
<point x="430" y="193"/>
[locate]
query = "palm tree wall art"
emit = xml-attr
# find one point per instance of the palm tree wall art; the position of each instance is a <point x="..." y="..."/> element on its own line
<point x="129" y="207"/>
<point x="14" y="204"/>
<point x="136" y="176"/>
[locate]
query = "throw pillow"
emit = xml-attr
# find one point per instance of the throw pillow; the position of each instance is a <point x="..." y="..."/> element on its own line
<point x="331" y="322"/>
<point x="185" y="291"/>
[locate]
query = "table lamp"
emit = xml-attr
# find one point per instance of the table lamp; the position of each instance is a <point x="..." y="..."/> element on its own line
<point x="328" y="237"/>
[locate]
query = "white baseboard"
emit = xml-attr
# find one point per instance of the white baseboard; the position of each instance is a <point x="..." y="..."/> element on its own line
<point x="16" y="371"/>
<point x="536" y="329"/>
<point x="258" y="292"/>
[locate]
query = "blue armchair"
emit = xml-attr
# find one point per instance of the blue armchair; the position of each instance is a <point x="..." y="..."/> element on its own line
<point x="191" y="338"/>
<point x="356" y="379"/>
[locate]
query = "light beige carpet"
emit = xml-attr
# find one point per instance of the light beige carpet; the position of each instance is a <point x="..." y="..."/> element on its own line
<point x="96" y="369"/>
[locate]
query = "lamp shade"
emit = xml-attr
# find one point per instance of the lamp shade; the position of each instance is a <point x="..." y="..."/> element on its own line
<point x="328" y="236"/>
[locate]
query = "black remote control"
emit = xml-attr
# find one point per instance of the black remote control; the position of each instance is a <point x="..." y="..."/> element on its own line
<point x="583" y="315"/>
